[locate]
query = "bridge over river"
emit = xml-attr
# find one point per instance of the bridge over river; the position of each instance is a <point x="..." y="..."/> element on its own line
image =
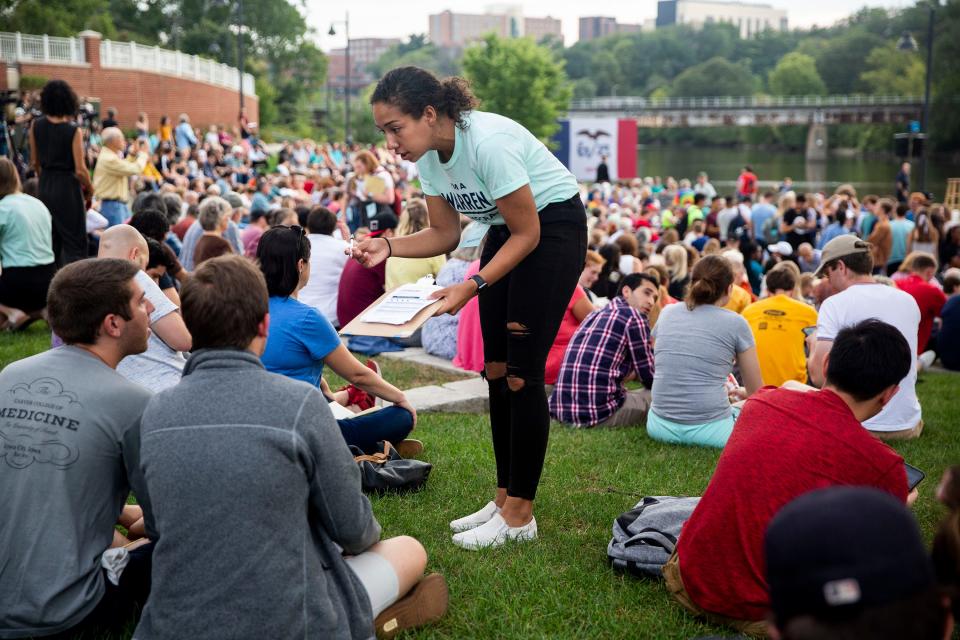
<point x="816" y="112"/>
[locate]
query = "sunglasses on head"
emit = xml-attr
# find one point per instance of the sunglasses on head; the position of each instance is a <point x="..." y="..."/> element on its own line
<point x="297" y="229"/>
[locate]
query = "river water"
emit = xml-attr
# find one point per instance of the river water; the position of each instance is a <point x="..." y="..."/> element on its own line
<point x="868" y="174"/>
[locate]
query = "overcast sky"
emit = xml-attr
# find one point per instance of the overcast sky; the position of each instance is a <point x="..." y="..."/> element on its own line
<point x="399" y="18"/>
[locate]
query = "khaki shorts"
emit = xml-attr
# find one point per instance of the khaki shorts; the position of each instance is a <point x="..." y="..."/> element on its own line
<point x="632" y="413"/>
<point x="671" y="575"/>
<point x="903" y="434"/>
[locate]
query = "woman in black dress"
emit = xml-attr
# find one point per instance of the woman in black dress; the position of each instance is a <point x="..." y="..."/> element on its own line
<point x="57" y="156"/>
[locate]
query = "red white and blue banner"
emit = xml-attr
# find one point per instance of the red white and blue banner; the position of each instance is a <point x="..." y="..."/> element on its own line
<point x="581" y="142"/>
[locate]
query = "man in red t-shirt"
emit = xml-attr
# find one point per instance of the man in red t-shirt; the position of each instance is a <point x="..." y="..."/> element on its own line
<point x="747" y="184"/>
<point x="929" y="298"/>
<point x="785" y="443"/>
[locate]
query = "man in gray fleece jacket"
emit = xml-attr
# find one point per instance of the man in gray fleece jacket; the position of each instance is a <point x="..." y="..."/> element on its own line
<point x="255" y="497"/>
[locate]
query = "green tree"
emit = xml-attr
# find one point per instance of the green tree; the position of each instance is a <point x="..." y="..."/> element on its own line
<point x="715" y="77"/>
<point x="891" y="72"/>
<point x="584" y="88"/>
<point x="842" y="59"/>
<point x="520" y="80"/>
<point x="796" y="75"/>
<point x="59" y="18"/>
<point x="441" y="61"/>
<point x="278" y="47"/>
<point x="945" y="116"/>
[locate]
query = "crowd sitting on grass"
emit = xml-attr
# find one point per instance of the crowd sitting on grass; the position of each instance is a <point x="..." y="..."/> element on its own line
<point x="192" y="336"/>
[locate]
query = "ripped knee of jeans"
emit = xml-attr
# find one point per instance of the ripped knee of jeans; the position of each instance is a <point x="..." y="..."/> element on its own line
<point x="517" y="330"/>
<point x="516" y="383"/>
<point x="494" y="370"/>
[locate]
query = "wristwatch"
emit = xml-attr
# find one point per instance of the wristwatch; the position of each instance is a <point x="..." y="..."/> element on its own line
<point x="481" y="283"/>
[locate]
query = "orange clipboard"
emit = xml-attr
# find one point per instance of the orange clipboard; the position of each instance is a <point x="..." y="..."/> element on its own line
<point x="358" y="327"/>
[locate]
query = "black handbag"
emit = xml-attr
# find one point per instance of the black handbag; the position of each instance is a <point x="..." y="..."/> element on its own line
<point x="386" y="472"/>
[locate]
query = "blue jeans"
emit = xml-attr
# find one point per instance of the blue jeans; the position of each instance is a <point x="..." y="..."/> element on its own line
<point x="390" y="423"/>
<point x="114" y="211"/>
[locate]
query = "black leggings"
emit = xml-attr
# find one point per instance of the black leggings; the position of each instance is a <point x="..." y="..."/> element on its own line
<point x="531" y="298"/>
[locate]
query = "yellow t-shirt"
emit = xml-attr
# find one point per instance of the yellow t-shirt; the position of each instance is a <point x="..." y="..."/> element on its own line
<point x="739" y="300"/>
<point x="777" y="324"/>
<point x="408" y="270"/>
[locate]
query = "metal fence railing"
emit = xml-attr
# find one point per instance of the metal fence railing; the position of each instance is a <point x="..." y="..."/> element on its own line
<point x="22" y="47"/>
<point x="632" y="103"/>
<point x="132" y="55"/>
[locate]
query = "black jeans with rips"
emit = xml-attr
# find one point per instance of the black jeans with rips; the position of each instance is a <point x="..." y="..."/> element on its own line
<point x="532" y="299"/>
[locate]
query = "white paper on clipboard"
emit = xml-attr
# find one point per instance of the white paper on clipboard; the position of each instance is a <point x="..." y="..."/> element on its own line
<point x="402" y="304"/>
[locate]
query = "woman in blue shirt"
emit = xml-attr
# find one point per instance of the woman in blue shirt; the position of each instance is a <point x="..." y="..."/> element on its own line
<point x="301" y="341"/>
<point x="494" y="171"/>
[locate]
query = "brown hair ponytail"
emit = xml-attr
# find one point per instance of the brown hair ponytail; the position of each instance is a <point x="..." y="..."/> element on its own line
<point x="711" y="277"/>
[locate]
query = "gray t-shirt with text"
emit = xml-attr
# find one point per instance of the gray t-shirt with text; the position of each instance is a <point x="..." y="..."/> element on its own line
<point x="69" y="453"/>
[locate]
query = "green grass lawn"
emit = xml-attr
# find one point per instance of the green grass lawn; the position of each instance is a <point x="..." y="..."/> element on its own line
<point x="560" y="585"/>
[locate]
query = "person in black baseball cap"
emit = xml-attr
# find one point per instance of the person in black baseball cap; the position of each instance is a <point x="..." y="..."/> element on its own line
<point x="849" y="562"/>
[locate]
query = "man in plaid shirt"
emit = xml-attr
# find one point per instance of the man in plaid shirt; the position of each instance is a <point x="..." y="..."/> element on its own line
<point x="611" y="347"/>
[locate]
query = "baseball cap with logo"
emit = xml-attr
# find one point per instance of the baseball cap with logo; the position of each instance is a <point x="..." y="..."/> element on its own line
<point x="839" y="550"/>
<point x="382" y="220"/>
<point x="846" y="245"/>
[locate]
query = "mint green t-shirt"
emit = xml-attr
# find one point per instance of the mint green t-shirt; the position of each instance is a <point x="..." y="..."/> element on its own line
<point x="493" y="157"/>
<point x="25" y="236"/>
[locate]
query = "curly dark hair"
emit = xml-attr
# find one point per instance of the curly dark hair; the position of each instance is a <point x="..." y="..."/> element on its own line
<point x="412" y="89"/>
<point x="57" y="98"/>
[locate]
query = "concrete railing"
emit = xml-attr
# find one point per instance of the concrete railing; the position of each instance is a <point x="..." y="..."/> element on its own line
<point x="21" y="47"/>
<point x="628" y="103"/>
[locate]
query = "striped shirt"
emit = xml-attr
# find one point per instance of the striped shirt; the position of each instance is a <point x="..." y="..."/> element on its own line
<point x="610" y="344"/>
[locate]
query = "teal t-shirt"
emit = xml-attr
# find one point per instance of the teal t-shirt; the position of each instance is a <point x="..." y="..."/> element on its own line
<point x="493" y="157"/>
<point x="900" y="229"/>
<point x="25" y="236"/>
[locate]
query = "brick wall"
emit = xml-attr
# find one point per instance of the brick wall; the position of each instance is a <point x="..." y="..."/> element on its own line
<point x="133" y="91"/>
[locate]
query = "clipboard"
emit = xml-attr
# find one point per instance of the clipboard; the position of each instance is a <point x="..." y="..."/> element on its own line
<point x="374" y="185"/>
<point x="358" y="327"/>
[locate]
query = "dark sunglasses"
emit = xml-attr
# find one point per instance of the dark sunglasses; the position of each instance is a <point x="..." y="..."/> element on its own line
<point x="297" y="229"/>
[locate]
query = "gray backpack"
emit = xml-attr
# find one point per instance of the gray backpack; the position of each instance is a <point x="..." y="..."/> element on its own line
<point x="645" y="537"/>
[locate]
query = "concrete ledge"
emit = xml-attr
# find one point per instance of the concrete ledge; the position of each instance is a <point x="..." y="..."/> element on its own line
<point x="436" y="399"/>
<point x="420" y="356"/>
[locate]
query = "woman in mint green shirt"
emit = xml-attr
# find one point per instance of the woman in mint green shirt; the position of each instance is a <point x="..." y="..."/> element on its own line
<point x="492" y="170"/>
<point x="26" y="252"/>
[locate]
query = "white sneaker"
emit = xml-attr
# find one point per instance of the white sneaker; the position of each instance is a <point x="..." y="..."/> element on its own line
<point x="494" y="533"/>
<point x="925" y="359"/>
<point x="475" y="519"/>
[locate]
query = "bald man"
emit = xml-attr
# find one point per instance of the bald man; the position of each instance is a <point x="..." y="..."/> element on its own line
<point x="161" y="365"/>
<point x="111" y="177"/>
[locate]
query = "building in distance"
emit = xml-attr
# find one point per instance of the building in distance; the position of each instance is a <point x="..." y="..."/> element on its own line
<point x="448" y="29"/>
<point x="363" y="52"/>
<point x="750" y="19"/>
<point x="593" y="27"/>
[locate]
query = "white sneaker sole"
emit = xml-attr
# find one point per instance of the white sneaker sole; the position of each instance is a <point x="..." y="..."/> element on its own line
<point x="469" y="540"/>
<point x="471" y="521"/>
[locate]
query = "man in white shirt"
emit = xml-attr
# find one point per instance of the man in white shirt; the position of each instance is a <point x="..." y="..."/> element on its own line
<point x="327" y="258"/>
<point x="161" y="365"/>
<point x="847" y="263"/>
